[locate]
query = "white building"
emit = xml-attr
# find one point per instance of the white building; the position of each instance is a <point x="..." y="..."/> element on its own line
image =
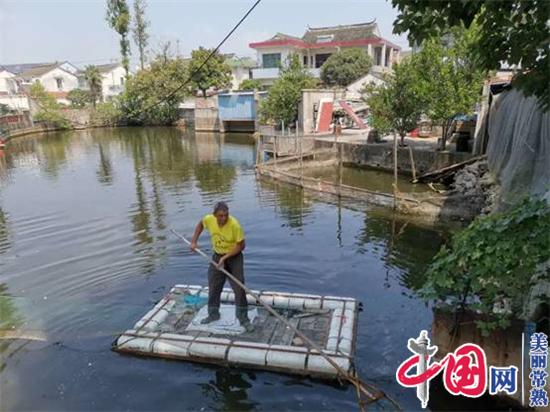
<point x="241" y="69"/>
<point x="318" y="44"/>
<point x="112" y="84"/>
<point x="9" y="92"/>
<point x="57" y="78"/>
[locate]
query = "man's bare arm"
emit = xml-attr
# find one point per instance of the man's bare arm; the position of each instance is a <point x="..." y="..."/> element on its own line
<point x="198" y="230"/>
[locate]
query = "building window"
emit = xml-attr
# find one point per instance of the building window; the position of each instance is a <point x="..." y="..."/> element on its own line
<point x="59" y="82"/>
<point x="122" y="80"/>
<point x="305" y="60"/>
<point x="325" y="38"/>
<point x="271" y="60"/>
<point x="320" y="59"/>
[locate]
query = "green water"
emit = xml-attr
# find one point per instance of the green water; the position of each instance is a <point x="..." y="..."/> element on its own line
<point x="85" y="251"/>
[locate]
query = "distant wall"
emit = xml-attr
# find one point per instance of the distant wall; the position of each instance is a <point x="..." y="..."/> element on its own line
<point x="206" y="115"/>
<point x="381" y="156"/>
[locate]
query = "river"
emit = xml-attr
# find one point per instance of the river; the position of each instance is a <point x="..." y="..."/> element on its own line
<point x="85" y="251"/>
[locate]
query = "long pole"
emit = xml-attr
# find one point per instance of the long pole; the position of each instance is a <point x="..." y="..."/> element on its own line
<point x="373" y="395"/>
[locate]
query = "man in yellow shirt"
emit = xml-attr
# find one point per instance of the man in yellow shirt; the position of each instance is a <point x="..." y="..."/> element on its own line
<point x="228" y="243"/>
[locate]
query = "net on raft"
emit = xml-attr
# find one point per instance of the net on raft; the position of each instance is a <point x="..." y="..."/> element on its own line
<point x="518" y="148"/>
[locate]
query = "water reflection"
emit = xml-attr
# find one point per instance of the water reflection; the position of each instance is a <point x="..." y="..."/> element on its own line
<point x="229" y="390"/>
<point x="292" y="204"/>
<point x="4" y="232"/>
<point x="105" y="167"/>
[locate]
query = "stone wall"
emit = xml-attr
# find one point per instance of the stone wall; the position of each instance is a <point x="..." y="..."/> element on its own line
<point x="380" y="156"/>
<point x="206" y="115"/>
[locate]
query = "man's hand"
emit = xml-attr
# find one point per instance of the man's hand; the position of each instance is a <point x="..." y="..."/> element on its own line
<point x="193" y="246"/>
<point x="221" y="262"/>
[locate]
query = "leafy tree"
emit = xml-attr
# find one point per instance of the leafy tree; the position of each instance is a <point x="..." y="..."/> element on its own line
<point x="108" y="114"/>
<point x="494" y="262"/>
<point x="79" y="98"/>
<point x="284" y="96"/>
<point x="251" y="84"/>
<point x="345" y="66"/>
<point x="139" y="31"/>
<point x="216" y="73"/>
<point x="118" y="18"/>
<point x="49" y="109"/>
<point x="396" y="105"/>
<point x="4" y="109"/>
<point x="148" y="97"/>
<point x="513" y="31"/>
<point x="94" y="79"/>
<point x="450" y="81"/>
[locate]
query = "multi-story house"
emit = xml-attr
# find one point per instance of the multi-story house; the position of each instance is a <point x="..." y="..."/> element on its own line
<point x="318" y="44"/>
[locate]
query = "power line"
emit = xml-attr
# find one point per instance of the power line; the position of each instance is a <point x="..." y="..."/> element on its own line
<point x="181" y="86"/>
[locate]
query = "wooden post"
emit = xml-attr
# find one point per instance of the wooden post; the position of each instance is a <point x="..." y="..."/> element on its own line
<point x="394" y="170"/>
<point x="412" y="163"/>
<point x="340" y="168"/>
<point x="301" y="161"/>
<point x="275" y="151"/>
<point x="258" y="151"/>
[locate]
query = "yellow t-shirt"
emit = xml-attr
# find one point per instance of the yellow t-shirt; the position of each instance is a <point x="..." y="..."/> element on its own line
<point x="226" y="237"/>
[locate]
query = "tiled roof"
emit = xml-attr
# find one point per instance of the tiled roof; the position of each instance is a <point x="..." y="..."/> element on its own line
<point x="19" y="68"/>
<point x="341" y="33"/>
<point x="37" y="71"/>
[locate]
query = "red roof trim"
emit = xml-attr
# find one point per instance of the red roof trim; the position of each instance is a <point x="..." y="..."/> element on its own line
<point x="303" y="45"/>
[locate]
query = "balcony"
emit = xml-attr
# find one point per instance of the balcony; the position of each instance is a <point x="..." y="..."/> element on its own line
<point x="261" y="73"/>
<point x="265" y="73"/>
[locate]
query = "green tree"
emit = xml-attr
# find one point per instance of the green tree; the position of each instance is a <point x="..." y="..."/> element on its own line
<point x="216" y="73"/>
<point x="79" y="98"/>
<point x="118" y="18"/>
<point x="94" y="80"/>
<point x="513" y="31"/>
<point x="396" y="105"/>
<point x="251" y="84"/>
<point x="49" y="109"/>
<point x="148" y="97"/>
<point x="345" y="66"/>
<point x="494" y="262"/>
<point x="139" y="31"/>
<point x="284" y="96"/>
<point x="449" y="78"/>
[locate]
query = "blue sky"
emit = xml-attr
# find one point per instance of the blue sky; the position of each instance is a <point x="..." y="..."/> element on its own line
<point x="75" y="30"/>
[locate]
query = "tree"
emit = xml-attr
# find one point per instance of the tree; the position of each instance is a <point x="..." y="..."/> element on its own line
<point x="79" y="98"/>
<point x="118" y="17"/>
<point x="148" y="97"/>
<point x="345" y="66"/>
<point x="283" y="98"/>
<point x="216" y="73"/>
<point x="141" y="37"/>
<point x="494" y="262"/>
<point x="251" y="84"/>
<point x="396" y="105"/>
<point x="94" y="80"/>
<point x="48" y="108"/>
<point x="449" y="78"/>
<point x="513" y="31"/>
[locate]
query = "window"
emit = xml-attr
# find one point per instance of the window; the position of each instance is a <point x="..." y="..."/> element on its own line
<point x="59" y="82"/>
<point x="305" y="60"/>
<point x="122" y="80"/>
<point x="325" y="38"/>
<point x="271" y="60"/>
<point x="320" y="59"/>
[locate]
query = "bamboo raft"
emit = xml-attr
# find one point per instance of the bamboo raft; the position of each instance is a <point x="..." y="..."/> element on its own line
<point x="171" y="330"/>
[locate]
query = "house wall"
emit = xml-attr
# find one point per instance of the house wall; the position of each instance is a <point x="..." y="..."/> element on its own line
<point x="353" y="91"/>
<point x="285" y="51"/>
<point x="310" y="99"/>
<point x="113" y="83"/>
<point x="48" y="80"/>
<point x="19" y="102"/>
<point x="7" y="83"/>
<point x="238" y="74"/>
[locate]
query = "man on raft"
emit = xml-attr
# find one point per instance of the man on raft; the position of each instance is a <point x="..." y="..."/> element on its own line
<point x="228" y="243"/>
